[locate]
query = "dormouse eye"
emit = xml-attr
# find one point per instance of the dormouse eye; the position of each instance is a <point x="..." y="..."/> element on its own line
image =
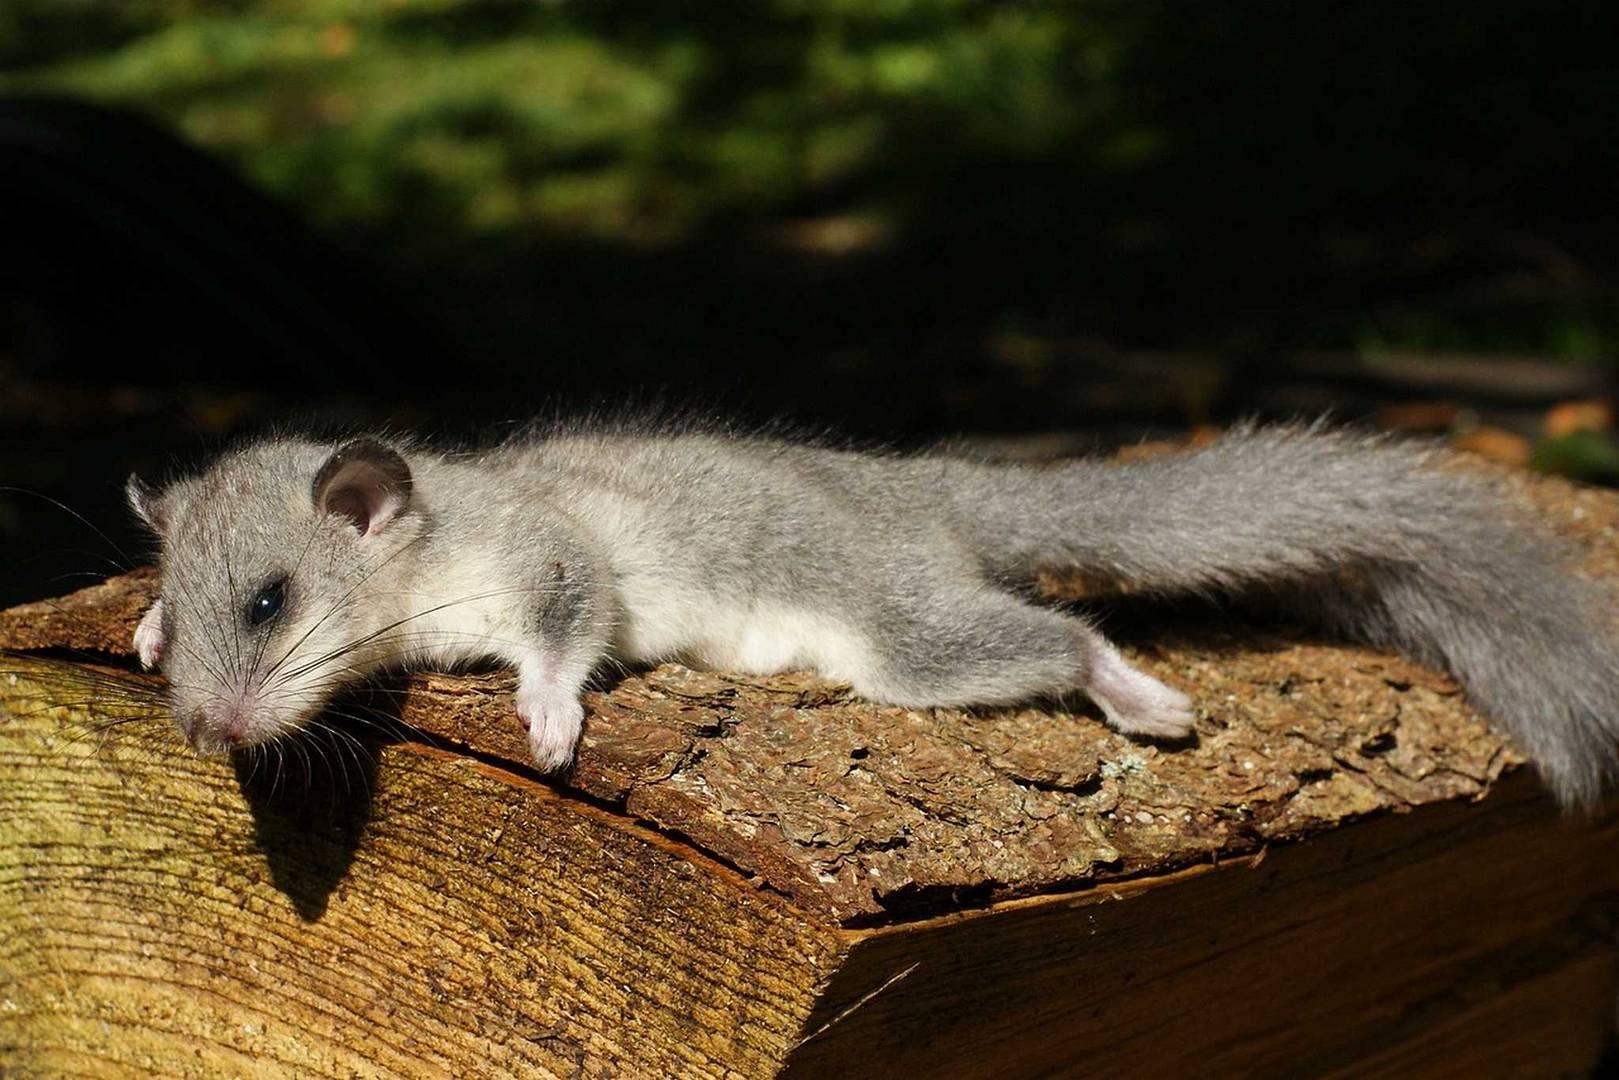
<point x="266" y="603"/>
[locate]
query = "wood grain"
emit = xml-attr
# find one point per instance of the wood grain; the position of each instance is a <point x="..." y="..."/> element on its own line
<point x="177" y="915"/>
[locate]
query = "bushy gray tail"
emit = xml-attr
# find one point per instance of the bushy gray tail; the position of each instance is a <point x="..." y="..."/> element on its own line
<point x="1438" y="566"/>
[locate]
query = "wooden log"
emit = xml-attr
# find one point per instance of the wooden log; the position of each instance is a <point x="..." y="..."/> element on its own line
<point x="1347" y="872"/>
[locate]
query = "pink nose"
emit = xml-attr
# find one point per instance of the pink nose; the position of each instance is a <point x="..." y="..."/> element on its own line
<point x="218" y="721"/>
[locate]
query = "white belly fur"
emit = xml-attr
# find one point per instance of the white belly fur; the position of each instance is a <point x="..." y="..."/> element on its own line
<point x="760" y="638"/>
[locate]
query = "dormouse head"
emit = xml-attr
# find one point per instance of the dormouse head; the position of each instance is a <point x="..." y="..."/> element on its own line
<point x="272" y="565"/>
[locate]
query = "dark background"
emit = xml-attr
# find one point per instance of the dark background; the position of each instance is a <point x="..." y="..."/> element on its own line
<point x="1070" y="224"/>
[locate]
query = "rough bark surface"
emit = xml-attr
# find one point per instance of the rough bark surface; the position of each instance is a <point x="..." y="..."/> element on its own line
<point x="865" y="815"/>
<point x="1460" y="940"/>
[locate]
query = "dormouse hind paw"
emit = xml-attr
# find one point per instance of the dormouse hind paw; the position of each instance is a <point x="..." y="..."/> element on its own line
<point x="1134" y="702"/>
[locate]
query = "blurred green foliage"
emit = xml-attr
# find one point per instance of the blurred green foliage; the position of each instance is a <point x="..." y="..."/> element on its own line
<point x="1238" y="178"/>
<point x="1591" y="456"/>
<point x="497" y="112"/>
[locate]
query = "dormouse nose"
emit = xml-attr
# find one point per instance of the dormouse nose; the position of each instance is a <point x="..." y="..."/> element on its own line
<point x="222" y="723"/>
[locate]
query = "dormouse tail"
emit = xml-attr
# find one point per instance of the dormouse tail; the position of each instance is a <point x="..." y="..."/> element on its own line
<point x="1432" y="562"/>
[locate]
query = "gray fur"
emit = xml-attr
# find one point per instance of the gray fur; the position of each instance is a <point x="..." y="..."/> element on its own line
<point x="560" y="551"/>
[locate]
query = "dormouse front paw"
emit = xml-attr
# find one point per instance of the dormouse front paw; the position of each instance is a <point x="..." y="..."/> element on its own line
<point x="149" y="638"/>
<point x="553" y="718"/>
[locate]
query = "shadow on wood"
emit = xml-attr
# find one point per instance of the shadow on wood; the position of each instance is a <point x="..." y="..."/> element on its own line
<point x="310" y="812"/>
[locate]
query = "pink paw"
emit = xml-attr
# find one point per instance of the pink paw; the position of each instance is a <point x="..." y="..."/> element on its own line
<point x="1135" y="703"/>
<point x="149" y="637"/>
<point x="553" y="719"/>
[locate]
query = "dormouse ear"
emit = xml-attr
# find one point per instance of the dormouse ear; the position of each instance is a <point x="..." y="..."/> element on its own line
<point x="148" y="504"/>
<point x="364" y="481"/>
